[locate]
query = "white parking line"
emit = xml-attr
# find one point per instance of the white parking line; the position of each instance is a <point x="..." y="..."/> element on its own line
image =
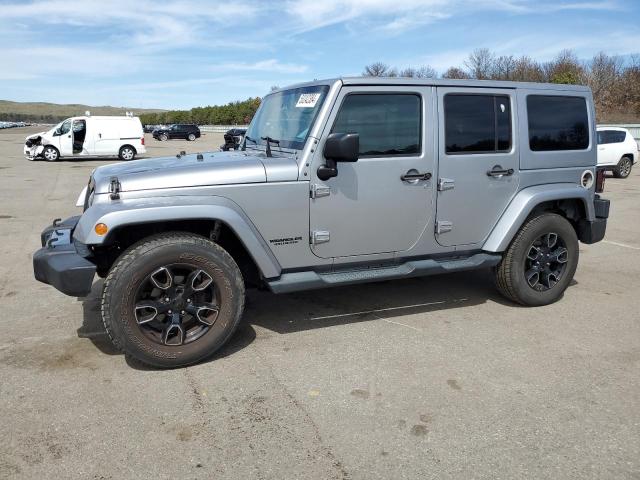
<point x="621" y="245"/>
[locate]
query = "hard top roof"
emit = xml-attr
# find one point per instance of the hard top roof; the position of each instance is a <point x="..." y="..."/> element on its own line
<point x="441" y="82"/>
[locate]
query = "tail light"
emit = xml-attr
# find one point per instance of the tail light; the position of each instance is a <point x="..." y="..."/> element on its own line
<point x="600" y="180"/>
<point x="142" y="140"/>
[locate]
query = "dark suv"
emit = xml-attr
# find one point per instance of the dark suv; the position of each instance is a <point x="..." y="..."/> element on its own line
<point x="184" y="131"/>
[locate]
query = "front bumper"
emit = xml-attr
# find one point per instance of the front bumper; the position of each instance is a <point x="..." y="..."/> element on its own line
<point x="33" y="152"/>
<point x="592" y="232"/>
<point x="61" y="263"/>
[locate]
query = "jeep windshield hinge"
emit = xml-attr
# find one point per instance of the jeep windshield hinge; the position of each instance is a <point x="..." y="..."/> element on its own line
<point x="318" y="191"/>
<point x="445" y="184"/>
<point x="114" y="188"/>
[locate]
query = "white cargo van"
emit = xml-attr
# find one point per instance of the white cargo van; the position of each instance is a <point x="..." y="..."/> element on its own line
<point x="88" y="136"/>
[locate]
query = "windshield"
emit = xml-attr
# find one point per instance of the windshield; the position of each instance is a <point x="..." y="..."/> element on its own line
<point x="287" y="117"/>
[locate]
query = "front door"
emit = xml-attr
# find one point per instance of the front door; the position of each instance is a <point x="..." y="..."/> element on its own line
<point x="477" y="162"/>
<point x="66" y="139"/>
<point x="372" y="206"/>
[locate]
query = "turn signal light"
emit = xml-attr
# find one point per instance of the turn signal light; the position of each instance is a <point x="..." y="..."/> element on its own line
<point x="101" y="229"/>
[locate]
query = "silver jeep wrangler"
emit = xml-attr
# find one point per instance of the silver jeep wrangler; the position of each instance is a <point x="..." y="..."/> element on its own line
<point x="337" y="182"/>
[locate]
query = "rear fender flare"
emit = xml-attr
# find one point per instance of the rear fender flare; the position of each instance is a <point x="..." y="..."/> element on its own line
<point x="523" y="204"/>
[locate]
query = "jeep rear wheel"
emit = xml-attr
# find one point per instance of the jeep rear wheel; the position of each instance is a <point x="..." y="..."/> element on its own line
<point x="172" y="300"/>
<point x="540" y="263"/>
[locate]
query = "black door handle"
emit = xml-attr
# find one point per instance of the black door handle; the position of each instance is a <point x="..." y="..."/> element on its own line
<point x="415" y="176"/>
<point x="498" y="171"/>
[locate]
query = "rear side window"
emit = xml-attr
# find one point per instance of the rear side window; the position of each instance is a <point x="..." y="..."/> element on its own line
<point x="611" y="136"/>
<point x="477" y="123"/>
<point x="388" y="124"/>
<point x="557" y="123"/>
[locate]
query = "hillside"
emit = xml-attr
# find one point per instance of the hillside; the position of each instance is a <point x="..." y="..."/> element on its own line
<point x="53" y="112"/>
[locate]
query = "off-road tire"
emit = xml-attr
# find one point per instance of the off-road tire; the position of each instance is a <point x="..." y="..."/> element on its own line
<point x="53" y="156"/>
<point x="510" y="272"/>
<point x="124" y="278"/>
<point x="623" y="169"/>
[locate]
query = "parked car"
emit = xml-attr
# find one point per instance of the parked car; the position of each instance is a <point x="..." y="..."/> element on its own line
<point x="617" y="150"/>
<point x="183" y="131"/>
<point x="88" y="136"/>
<point x="233" y="139"/>
<point x="339" y="182"/>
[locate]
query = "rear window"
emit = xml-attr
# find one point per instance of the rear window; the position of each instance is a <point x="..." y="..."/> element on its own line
<point x="477" y="123"/>
<point x="611" y="136"/>
<point x="557" y="123"/>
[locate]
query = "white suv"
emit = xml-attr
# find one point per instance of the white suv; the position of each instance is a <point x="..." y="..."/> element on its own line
<point x="617" y="150"/>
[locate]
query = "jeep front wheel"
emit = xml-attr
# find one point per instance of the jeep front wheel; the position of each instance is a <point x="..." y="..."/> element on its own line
<point x="540" y="263"/>
<point x="172" y="300"/>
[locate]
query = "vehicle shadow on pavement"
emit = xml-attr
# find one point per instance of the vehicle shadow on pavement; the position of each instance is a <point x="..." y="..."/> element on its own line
<point x="385" y="300"/>
<point x="331" y="307"/>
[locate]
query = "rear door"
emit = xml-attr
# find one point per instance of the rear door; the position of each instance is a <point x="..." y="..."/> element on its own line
<point x="477" y="162"/>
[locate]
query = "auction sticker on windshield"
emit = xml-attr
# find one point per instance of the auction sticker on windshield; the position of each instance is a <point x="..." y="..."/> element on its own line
<point x="308" y="100"/>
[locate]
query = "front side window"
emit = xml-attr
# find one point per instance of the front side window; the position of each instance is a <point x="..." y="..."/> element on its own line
<point x="388" y="124"/>
<point x="287" y="117"/>
<point x="557" y="123"/>
<point x="477" y="123"/>
<point x="65" y="127"/>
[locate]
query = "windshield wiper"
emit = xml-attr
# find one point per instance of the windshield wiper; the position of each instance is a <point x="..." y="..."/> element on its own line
<point x="247" y="137"/>
<point x="269" y="141"/>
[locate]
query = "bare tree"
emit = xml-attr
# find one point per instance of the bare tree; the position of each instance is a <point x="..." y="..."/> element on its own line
<point x="527" y="70"/>
<point x="422" y="72"/>
<point x="377" y="69"/>
<point x="480" y="63"/>
<point x="602" y="75"/>
<point x="503" y="68"/>
<point x="455" y="72"/>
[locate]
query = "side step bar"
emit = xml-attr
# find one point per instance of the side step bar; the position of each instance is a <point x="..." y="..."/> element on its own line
<point x="296" y="281"/>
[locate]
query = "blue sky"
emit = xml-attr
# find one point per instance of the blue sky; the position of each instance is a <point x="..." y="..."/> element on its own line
<point x="185" y="53"/>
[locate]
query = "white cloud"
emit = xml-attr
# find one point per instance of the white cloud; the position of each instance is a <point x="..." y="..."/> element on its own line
<point x="272" y="66"/>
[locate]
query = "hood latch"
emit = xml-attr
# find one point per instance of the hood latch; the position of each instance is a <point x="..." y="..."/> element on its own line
<point x="114" y="188"/>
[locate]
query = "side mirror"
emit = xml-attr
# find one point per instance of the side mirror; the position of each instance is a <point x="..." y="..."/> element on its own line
<point x="339" y="147"/>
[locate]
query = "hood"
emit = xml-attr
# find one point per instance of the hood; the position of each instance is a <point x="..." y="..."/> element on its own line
<point x="215" y="168"/>
<point x="36" y="135"/>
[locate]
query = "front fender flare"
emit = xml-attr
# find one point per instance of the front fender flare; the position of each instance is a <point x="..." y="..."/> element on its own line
<point x="118" y="214"/>
<point x="524" y="203"/>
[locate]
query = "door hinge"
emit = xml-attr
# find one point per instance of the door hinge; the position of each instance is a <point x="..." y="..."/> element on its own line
<point x="319" y="236"/>
<point x="443" y="226"/>
<point x="445" y="184"/>
<point x="318" y="191"/>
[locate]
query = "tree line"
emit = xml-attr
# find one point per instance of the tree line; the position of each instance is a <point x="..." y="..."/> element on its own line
<point x="614" y="80"/>
<point x="233" y="113"/>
